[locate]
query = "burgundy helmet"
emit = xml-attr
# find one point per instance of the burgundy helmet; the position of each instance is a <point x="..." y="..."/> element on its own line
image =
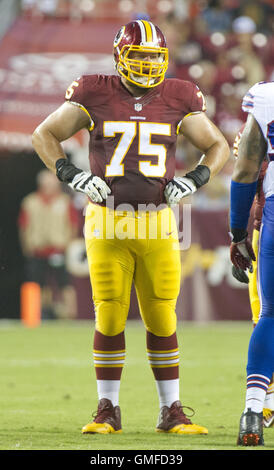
<point x="140" y="53"/>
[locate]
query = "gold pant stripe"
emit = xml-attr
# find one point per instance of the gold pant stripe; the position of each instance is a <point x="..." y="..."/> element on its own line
<point x="162" y="352"/>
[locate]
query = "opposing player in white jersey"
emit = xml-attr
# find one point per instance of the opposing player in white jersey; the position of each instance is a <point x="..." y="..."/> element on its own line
<point x="256" y="142"/>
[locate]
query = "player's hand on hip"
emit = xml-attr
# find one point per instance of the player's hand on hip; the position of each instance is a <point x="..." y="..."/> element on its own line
<point x="242" y="254"/>
<point x="84" y="182"/>
<point x="178" y="188"/>
<point x="93" y="186"/>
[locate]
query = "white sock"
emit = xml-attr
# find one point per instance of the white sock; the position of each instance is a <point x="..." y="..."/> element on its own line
<point x="168" y="391"/>
<point x="255" y="399"/>
<point x="109" y="389"/>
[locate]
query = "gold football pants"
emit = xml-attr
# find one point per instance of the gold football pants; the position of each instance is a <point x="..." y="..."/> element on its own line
<point x="252" y="286"/>
<point x="139" y="247"/>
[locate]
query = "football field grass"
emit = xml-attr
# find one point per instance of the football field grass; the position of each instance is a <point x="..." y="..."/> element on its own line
<point x="48" y="388"/>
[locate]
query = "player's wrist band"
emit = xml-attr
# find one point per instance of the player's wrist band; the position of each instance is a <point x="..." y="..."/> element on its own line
<point x="241" y="199"/>
<point x="200" y="175"/>
<point x="238" y="234"/>
<point x="66" y="171"/>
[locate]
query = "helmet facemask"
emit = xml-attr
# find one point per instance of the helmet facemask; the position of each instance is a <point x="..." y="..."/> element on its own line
<point x="142" y="72"/>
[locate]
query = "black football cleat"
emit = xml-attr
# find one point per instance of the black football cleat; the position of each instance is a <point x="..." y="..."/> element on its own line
<point x="251" y="429"/>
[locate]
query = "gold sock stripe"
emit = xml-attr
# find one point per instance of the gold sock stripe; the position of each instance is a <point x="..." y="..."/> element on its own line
<point x="163" y="366"/>
<point x="109" y="358"/>
<point x="163" y="359"/>
<point x="160" y="359"/>
<point x="163" y="355"/>
<point x="163" y="363"/>
<point x="162" y="351"/>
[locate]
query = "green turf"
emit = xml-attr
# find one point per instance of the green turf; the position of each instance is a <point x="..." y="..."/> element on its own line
<point x="48" y="388"/>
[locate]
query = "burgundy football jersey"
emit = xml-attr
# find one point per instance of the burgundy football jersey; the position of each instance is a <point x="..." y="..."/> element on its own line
<point x="133" y="140"/>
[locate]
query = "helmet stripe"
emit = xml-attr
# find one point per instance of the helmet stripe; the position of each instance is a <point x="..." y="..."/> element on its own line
<point x="148" y="28"/>
<point x="143" y="31"/>
<point x="154" y="33"/>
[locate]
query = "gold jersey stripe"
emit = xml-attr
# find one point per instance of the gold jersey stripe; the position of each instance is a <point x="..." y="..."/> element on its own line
<point x="190" y="114"/>
<point x="180" y="123"/>
<point x="103" y="359"/>
<point x="91" y="127"/>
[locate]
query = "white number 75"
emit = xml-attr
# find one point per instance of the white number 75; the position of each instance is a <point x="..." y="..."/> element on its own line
<point x="129" y="130"/>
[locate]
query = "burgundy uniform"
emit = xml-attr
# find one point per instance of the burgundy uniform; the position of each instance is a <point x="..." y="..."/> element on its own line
<point x="133" y="140"/>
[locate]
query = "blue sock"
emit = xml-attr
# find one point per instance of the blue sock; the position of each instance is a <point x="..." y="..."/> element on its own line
<point x="261" y="348"/>
<point x="260" y="364"/>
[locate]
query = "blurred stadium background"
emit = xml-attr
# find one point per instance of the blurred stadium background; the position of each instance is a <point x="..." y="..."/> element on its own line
<point x="224" y="46"/>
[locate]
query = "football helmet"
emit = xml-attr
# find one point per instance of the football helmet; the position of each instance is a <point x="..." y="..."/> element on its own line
<point x="140" y="53"/>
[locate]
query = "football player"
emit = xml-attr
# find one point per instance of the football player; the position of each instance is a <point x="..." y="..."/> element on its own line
<point x="250" y="278"/>
<point x="256" y="142"/>
<point x="134" y="118"/>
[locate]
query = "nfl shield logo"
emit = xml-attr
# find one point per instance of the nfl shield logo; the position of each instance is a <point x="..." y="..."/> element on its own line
<point x="138" y="107"/>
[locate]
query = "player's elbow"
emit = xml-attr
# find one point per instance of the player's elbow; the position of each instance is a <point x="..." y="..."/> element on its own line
<point x="41" y="137"/>
<point x="224" y="149"/>
<point x="218" y="154"/>
<point x="220" y="148"/>
<point x="37" y="137"/>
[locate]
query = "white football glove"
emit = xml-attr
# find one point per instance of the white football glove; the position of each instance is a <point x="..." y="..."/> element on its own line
<point x="178" y="188"/>
<point x="93" y="186"/>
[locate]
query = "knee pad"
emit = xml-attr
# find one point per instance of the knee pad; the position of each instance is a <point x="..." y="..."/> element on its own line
<point x="160" y="317"/>
<point x="111" y="287"/>
<point x="111" y="317"/>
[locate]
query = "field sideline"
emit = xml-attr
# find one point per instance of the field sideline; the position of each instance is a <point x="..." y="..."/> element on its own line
<point x="48" y="387"/>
